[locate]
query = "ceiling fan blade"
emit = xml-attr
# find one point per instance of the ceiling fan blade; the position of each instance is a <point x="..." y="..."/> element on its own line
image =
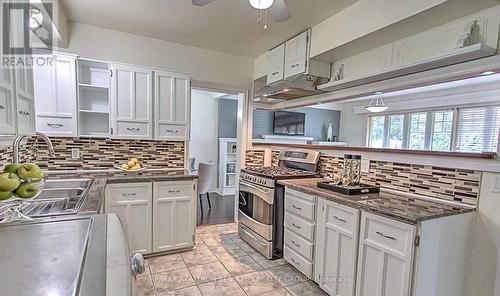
<point x="280" y="11"/>
<point x="201" y="2"/>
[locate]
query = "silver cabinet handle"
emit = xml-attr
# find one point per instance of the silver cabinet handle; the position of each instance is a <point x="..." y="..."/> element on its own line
<point x="293" y="260"/>
<point x="24" y="112"/>
<point x="296" y="226"/>
<point x="56" y="125"/>
<point x="386" y="236"/>
<point x="297" y="208"/>
<point x="274" y="73"/>
<point x="295" y="65"/>
<point x="295" y="244"/>
<point x="133" y="129"/>
<point x="174" y="191"/>
<point x="339" y="219"/>
<point x="129" y="194"/>
<point x="2" y="107"/>
<point x="172" y="131"/>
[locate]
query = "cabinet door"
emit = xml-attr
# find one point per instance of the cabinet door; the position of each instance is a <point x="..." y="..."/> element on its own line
<point x="385" y="257"/>
<point x="25" y="102"/>
<point x="55" y="97"/>
<point x="132" y="98"/>
<point x="174" y="215"/>
<point x="133" y="205"/>
<point x="366" y="63"/>
<point x="172" y="98"/>
<point x="276" y="64"/>
<point x="7" y="106"/>
<point x="336" y="248"/>
<point x="296" y="55"/>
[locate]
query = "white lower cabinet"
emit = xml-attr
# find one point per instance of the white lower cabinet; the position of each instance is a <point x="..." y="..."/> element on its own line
<point x="385" y="257"/>
<point x="133" y="204"/>
<point x="174" y="215"/>
<point x="336" y="248"/>
<point x="157" y="216"/>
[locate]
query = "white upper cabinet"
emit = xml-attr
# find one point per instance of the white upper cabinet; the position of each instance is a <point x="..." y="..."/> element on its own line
<point x="25" y="101"/>
<point x="276" y="64"/>
<point x="172" y="101"/>
<point x="131" y="101"/>
<point x="7" y="106"/>
<point x="296" y="55"/>
<point x="385" y="257"/>
<point x="55" y="96"/>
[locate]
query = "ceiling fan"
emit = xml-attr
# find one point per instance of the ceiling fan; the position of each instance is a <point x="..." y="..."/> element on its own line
<point x="278" y="8"/>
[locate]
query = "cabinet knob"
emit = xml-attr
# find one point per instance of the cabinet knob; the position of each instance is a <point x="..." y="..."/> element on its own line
<point x="24" y="112"/>
<point x="56" y="125"/>
<point x="295" y="65"/>
<point x="2" y="107"/>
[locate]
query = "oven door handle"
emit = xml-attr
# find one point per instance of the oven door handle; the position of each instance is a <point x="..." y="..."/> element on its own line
<point x="267" y="195"/>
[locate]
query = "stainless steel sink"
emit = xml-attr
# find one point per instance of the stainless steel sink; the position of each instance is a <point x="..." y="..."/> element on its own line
<point x="59" y="193"/>
<point x="67" y="183"/>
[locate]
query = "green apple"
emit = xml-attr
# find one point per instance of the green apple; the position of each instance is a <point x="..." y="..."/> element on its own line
<point x="30" y="171"/>
<point x="27" y="190"/>
<point x="4" y="195"/>
<point x="11" y="168"/>
<point x="9" y="182"/>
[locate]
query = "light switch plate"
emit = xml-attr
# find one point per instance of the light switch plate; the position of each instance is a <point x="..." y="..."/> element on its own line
<point x="365" y="165"/>
<point x="75" y="153"/>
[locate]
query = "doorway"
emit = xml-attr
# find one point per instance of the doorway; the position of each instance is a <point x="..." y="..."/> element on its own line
<point x="214" y="152"/>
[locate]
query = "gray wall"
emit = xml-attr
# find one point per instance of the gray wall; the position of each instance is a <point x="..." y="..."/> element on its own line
<point x="228" y="110"/>
<point x="317" y="121"/>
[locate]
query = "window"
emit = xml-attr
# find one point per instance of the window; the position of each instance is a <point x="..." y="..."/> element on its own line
<point x="418" y="122"/>
<point x="478" y="129"/>
<point x="441" y="130"/>
<point x="377" y="131"/>
<point x="396" y="127"/>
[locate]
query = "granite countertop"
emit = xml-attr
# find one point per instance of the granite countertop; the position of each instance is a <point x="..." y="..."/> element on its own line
<point x="401" y="207"/>
<point x="95" y="196"/>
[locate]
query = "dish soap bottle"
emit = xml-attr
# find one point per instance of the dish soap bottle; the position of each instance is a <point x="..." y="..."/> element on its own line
<point x="329" y="134"/>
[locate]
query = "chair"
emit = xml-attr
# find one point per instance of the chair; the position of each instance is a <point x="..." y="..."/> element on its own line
<point x="205" y="178"/>
<point x="192" y="162"/>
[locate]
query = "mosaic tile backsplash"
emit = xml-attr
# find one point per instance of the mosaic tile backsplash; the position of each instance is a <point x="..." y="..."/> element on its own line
<point x="254" y="158"/>
<point x="98" y="153"/>
<point x="450" y="184"/>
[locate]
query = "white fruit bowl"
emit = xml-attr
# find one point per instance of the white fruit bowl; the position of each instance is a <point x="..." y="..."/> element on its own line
<point x="130" y="170"/>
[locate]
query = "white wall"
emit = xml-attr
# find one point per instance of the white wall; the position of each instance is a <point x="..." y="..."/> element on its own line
<point x="484" y="277"/>
<point x="204" y="122"/>
<point x="208" y="68"/>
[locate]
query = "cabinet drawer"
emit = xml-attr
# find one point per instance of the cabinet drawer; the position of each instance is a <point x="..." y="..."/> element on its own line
<point x="299" y="244"/>
<point x="173" y="189"/>
<point x="394" y="236"/>
<point x="298" y="262"/>
<point x="132" y="129"/>
<point x="300" y="207"/>
<point x="128" y="193"/>
<point x="172" y="131"/>
<point x="299" y="226"/>
<point x="56" y="125"/>
<point x="341" y="216"/>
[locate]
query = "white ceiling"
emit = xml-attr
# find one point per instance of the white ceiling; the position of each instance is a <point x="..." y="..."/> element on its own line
<point x="224" y="25"/>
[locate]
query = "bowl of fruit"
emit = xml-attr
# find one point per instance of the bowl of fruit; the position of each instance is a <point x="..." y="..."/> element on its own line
<point x="131" y="166"/>
<point x="21" y="181"/>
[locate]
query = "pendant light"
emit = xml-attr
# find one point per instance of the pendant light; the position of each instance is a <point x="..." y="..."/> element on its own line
<point x="261" y="4"/>
<point x="377" y="104"/>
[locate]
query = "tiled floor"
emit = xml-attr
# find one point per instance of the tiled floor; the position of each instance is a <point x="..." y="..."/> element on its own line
<point x="222" y="264"/>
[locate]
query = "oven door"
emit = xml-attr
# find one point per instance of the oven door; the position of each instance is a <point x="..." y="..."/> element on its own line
<point x="256" y="209"/>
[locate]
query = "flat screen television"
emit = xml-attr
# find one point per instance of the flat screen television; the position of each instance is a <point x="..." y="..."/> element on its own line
<point x="289" y="123"/>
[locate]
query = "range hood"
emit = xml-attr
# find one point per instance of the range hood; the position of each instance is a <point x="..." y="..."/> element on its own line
<point x="300" y="86"/>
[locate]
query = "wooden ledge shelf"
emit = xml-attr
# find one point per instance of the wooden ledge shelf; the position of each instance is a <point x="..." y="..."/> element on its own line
<point x="481" y="155"/>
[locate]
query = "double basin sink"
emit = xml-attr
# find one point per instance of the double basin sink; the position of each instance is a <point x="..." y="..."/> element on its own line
<point x="58" y="197"/>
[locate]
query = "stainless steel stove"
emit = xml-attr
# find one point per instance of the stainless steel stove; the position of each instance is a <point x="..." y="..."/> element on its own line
<point x="261" y="199"/>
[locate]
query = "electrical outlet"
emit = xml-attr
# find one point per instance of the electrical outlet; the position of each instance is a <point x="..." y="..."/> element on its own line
<point x="496" y="189"/>
<point x="75" y="153"/>
<point x="365" y="165"/>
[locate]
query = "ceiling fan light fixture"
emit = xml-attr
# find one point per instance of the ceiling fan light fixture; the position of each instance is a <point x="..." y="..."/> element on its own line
<point x="261" y="4"/>
<point x="377" y="104"/>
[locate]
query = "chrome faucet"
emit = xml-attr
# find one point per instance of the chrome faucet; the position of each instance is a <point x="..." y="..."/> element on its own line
<point x="17" y="142"/>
